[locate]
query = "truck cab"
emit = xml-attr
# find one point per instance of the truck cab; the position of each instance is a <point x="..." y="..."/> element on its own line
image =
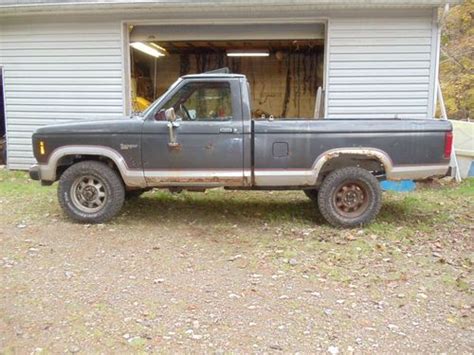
<point x="207" y="142"/>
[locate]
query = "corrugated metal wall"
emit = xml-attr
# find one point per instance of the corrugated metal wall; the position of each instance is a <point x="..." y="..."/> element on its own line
<point x="57" y="72"/>
<point x="381" y="67"/>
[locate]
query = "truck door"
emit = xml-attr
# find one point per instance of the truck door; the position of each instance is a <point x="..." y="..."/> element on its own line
<point x="208" y="148"/>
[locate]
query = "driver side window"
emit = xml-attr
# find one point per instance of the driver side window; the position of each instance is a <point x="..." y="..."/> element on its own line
<point x="202" y="101"/>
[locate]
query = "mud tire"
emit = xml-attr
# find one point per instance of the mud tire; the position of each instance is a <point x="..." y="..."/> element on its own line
<point x="111" y="185"/>
<point x="331" y="204"/>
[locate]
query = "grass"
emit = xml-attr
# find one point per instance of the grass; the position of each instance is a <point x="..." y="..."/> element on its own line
<point x="421" y="209"/>
<point x="224" y="211"/>
<point x="266" y="221"/>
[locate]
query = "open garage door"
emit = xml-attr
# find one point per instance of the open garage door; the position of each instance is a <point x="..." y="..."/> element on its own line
<point x="284" y="63"/>
<point x="227" y="32"/>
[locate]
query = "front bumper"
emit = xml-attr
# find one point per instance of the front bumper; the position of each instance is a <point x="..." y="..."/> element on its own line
<point x="35" y="172"/>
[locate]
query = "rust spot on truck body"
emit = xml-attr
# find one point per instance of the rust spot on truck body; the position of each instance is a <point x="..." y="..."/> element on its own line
<point x="201" y="181"/>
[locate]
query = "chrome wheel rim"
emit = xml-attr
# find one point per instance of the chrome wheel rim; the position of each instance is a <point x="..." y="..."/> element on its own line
<point x="88" y="194"/>
<point x="351" y="199"/>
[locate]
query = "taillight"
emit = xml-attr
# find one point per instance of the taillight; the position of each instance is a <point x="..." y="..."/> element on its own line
<point x="448" y="144"/>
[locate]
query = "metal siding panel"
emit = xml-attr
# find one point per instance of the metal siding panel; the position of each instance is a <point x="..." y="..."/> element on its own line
<point x="13" y="87"/>
<point x="62" y="59"/>
<point x="379" y="67"/>
<point x="18" y="166"/>
<point x="53" y="25"/>
<point x="60" y="52"/>
<point x="63" y="74"/>
<point x="349" y="49"/>
<point x="36" y="101"/>
<point x="379" y="72"/>
<point x="379" y="109"/>
<point x="377" y="102"/>
<point x="57" y="72"/>
<point x="13" y="46"/>
<point x="37" y="123"/>
<point x="408" y="88"/>
<point x="381" y="41"/>
<point x="383" y="23"/>
<point x="379" y="95"/>
<point x="377" y="57"/>
<point x="65" y="108"/>
<point x="19" y="148"/>
<point x="28" y="95"/>
<point x="381" y="33"/>
<point x="59" y="81"/>
<point x="55" y="37"/>
<point x="379" y="80"/>
<point x="64" y="66"/>
<point x="66" y="116"/>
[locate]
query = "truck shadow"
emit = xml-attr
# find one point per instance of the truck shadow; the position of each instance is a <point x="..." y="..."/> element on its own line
<point x="252" y="207"/>
<point x="223" y="207"/>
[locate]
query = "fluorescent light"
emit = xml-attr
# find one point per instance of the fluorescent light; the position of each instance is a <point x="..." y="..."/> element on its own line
<point x="243" y="53"/>
<point x="145" y="48"/>
<point x="159" y="48"/>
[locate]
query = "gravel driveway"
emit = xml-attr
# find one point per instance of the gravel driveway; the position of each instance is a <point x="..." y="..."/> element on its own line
<point x="236" y="272"/>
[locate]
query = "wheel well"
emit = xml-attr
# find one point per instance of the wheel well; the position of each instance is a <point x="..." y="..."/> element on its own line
<point x="370" y="163"/>
<point x="68" y="160"/>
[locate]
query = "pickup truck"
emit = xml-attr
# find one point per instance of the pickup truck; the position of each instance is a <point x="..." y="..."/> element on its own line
<point x="200" y="134"/>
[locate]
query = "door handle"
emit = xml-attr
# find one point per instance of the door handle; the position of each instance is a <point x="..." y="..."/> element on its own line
<point x="227" y="130"/>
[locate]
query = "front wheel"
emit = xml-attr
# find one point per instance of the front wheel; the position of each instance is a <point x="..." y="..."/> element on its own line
<point x="90" y="192"/>
<point x="349" y="197"/>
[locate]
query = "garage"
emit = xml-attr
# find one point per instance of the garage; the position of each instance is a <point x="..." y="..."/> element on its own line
<point x="76" y="61"/>
<point x="284" y="63"/>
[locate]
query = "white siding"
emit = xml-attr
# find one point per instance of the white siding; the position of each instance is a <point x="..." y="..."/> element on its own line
<point x="381" y="66"/>
<point x="58" y="72"/>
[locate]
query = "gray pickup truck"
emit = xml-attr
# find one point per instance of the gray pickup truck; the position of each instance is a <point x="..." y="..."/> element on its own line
<point x="200" y="134"/>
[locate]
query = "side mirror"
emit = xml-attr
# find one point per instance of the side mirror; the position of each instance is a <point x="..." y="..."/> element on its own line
<point x="170" y="114"/>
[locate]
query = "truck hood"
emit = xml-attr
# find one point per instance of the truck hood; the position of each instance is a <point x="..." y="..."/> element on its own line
<point x="124" y="125"/>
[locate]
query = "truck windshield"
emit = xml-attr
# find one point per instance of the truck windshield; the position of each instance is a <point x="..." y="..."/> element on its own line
<point x="200" y="101"/>
<point x="152" y="108"/>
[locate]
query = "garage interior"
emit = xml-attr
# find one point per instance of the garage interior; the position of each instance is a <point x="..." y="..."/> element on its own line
<point x="284" y="64"/>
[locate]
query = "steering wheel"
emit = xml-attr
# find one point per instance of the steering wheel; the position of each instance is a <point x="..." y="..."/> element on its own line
<point x="185" y="110"/>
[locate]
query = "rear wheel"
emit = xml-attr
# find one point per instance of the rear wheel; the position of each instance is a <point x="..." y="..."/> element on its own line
<point x="90" y="192"/>
<point x="349" y="197"/>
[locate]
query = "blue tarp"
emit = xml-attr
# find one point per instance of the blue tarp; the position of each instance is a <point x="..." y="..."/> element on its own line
<point x="399" y="186"/>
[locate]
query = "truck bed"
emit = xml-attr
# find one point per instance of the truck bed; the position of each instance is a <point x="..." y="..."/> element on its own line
<point x="296" y="145"/>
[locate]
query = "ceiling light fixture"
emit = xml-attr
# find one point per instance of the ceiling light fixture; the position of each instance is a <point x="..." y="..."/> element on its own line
<point x="244" y="53"/>
<point x="148" y="49"/>
<point x="159" y="48"/>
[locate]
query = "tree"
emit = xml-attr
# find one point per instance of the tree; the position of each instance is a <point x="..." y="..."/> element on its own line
<point x="457" y="61"/>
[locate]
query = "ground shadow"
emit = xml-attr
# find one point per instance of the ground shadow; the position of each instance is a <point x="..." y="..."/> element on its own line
<point x="255" y="208"/>
<point x="222" y="208"/>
